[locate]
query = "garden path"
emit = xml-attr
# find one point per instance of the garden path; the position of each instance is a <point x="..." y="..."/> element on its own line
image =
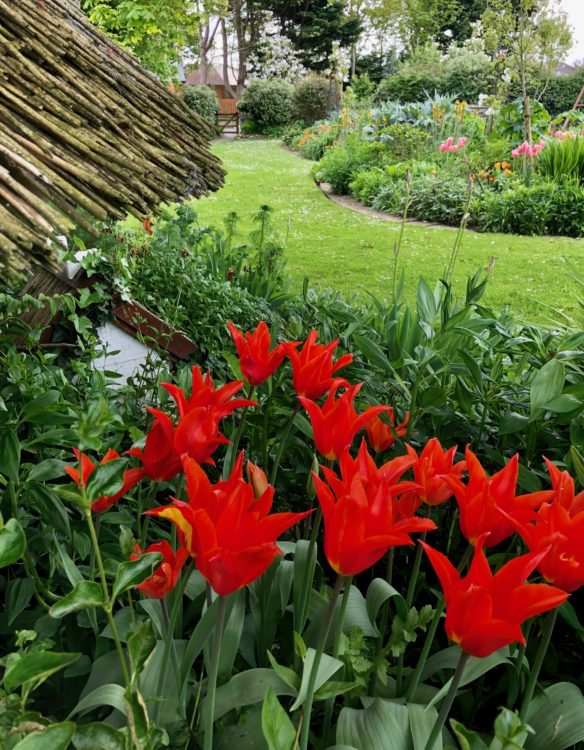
<point x="353" y="252"/>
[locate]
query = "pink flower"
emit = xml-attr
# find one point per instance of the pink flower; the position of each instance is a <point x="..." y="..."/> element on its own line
<point x="443" y="148"/>
<point x="453" y="149"/>
<point x="462" y="142"/>
<point x="516" y="153"/>
<point x="449" y="141"/>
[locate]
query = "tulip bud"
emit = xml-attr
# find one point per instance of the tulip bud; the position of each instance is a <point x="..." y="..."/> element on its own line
<point x="258" y="479"/>
<point x="314" y="469"/>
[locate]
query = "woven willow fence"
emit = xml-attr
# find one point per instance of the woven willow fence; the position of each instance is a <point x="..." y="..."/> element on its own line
<point x="85" y="132"/>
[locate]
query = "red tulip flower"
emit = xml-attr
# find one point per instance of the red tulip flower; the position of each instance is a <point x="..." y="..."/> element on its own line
<point x="564" y="491"/>
<point x="336" y="423"/>
<point x="489" y="505"/>
<point x="131" y="478"/>
<point x="256" y="361"/>
<point x="562" y="532"/>
<point x="383" y="435"/>
<point x="484" y="612"/>
<point x="159" y="459"/>
<point x="229" y="532"/>
<point x="431" y="468"/>
<point x="361" y="518"/>
<point x="166" y="576"/>
<point x="313" y="367"/>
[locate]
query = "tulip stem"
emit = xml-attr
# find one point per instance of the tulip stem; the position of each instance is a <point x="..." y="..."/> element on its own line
<point x="546" y="635"/>
<point x="330" y="703"/>
<point x="169" y="644"/>
<point x="322" y="639"/>
<point x="282" y="445"/>
<point x="232" y="453"/>
<point x="310" y="568"/>
<point x="209" y="714"/>
<point x="448" y="701"/>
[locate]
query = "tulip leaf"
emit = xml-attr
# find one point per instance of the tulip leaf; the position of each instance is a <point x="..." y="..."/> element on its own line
<point x="304" y="568"/>
<point x="134" y="572"/>
<point x="247" y="688"/>
<point x="555" y="715"/>
<point x="279" y="731"/>
<point x="12" y="542"/>
<point x="379" y="592"/>
<point x="10" y="452"/>
<point x="467" y="739"/>
<point x="54" y="737"/>
<point x="110" y="694"/>
<point x="327" y="668"/>
<point x="106" y="479"/>
<point x="35" y="666"/>
<point x="288" y="675"/>
<point x="98" y="737"/>
<point x="546" y="385"/>
<point x="232" y="633"/>
<point x="199" y="638"/>
<point x="85" y="595"/>
<point x="373" y="728"/>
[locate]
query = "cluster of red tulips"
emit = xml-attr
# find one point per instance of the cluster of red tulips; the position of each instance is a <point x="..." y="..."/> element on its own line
<point x="228" y="529"/>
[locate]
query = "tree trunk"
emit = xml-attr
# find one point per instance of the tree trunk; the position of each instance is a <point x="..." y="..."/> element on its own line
<point x="203" y="48"/>
<point x="334" y="98"/>
<point x="230" y="90"/>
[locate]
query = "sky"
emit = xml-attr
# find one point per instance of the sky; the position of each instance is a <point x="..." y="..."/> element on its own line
<point x="575" y="11"/>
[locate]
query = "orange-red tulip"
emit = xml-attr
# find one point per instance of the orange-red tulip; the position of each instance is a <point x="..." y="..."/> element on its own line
<point x="256" y="361"/>
<point x="159" y="459"/>
<point x="313" y="366"/>
<point x="336" y="423"/>
<point x="489" y="505"/>
<point x="166" y="576"/>
<point x="484" y="612"/>
<point x="564" y="490"/>
<point x="229" y="532"/>
<point x="361" y="515"/>
<point x="431" y="468"/>
<point x="131" y="478"/>
<point x="382" y="435"/>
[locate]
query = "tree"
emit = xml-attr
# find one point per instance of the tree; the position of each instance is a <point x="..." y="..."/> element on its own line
<point x="210" y="13"/>
<point x="530" y="38"/>
<point x="156" y="31"/>
<point x="458" y="27"/>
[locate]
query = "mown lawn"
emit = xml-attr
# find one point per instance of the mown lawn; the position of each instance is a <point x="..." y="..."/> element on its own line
<point x="339" y="248"/>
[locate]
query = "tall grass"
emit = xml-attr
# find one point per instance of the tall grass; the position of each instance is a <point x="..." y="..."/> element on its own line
<point x="563" y="160"/>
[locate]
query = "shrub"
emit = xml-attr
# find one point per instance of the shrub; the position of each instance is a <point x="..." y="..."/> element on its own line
<point x="563" y="160"/>
<point x="315" y="141"/>
<point x="407" y="87"/>
<point x="268" y="103"/>
<point x="311" y="99"/>
<point x="438" y="200"/>
<point x="367" y="184"/>
<point x="560" y="93"/>
<point x="403" y="141"/>
<point x="340" y="164"/>
<point x="362" y="87"/>
<point x="202" y="100"/>
<point x="543" y="208"/>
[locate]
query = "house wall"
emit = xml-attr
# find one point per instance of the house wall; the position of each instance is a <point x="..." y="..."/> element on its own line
<point x="123" y="353"/>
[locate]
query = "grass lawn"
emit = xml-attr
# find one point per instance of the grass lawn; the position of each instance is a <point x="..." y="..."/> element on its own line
<point x="339" y="248"/>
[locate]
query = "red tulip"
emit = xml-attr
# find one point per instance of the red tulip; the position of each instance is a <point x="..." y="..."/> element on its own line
<point x="231" y="535"/>
<point x="361" y="515"/>
<point x="256" y="361"/>
<point x="562" y="532"/>
<point x="166" y="576"/>
<point x="484" y="612"/>
<point x="383" y="435"/>
<point x="431" y="468"/>
<point x="336" y="423"/>
<point x="564" y="491"/>
<point x="131" y="478"/>
<point x="313" y="367"/>
<point x="160" y="460"/>
<point x="488" y="505"/>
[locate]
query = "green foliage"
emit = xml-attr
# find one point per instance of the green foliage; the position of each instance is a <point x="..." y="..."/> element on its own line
<point x="202" y="100"/>
<point x="268" y="103"/>
<point x="563" y="160"/>
<point x="311" y="99"/>
<point x="402" y="141"/>
<point x="339" y="165"/>
<point x="560" y="93"/>
<point x="362" y="87"/>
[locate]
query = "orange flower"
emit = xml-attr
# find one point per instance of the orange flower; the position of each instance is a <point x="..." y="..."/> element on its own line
<point x="166" y="576"/>
<point x="160" y="461"/>
<point x="313" y="367"/>
<point x="383" y="435"/>
<point x="431" y="468"/>
<point x="131" y="478"/>
<point x="256" y="361"/>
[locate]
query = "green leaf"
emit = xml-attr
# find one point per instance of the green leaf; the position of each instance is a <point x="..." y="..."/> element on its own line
<point x="379" y="592"/>
<point x="138" y="723"/>
<point x="547" y="384"/>
<point x="98" y="737"/>
<point x="199" y="638"/>
<point x="373" y="728"/>
<point x="19" y="592"/>
<point x="277" y="727"/>
<point x="563" y="404"/>
<point x="50" y="468"/>
<point x="141" y="643"/>
<point x="85" y="595"/>
<point x="12" y="542"/>
<point x="247" y="688"/>
<point x="36" y="666"/>
<point x="285" y="673"/>
<point x="106" y="479"/>
<point x="467" y="739"/>
<point x="426" y="303"/>
<point x="327" y="668"/>
<point x="134" y="572"/>
<point x="104" y="695"/>
<point x="555" y="715"/>
<point x="10" y="453"/>
<point x="54" y="737"/>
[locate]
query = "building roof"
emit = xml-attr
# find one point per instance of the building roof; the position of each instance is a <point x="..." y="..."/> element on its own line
<point x="85" y="132"/>
<point x="214" y="76"/>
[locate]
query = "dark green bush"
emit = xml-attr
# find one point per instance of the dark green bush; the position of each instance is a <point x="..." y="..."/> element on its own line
<point x="311" y="99"/>
<point x="543" y="208"/>
<point x="414" y="87"/>
<point x="267" y="104"/>
<point x="340" y="164"/>
<point x="560" y="93"/>
<point x="367" y="184"/>
<point x="438" y="199"/>
<point x="202" y="100"/>
<point x="403" y="141"/>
